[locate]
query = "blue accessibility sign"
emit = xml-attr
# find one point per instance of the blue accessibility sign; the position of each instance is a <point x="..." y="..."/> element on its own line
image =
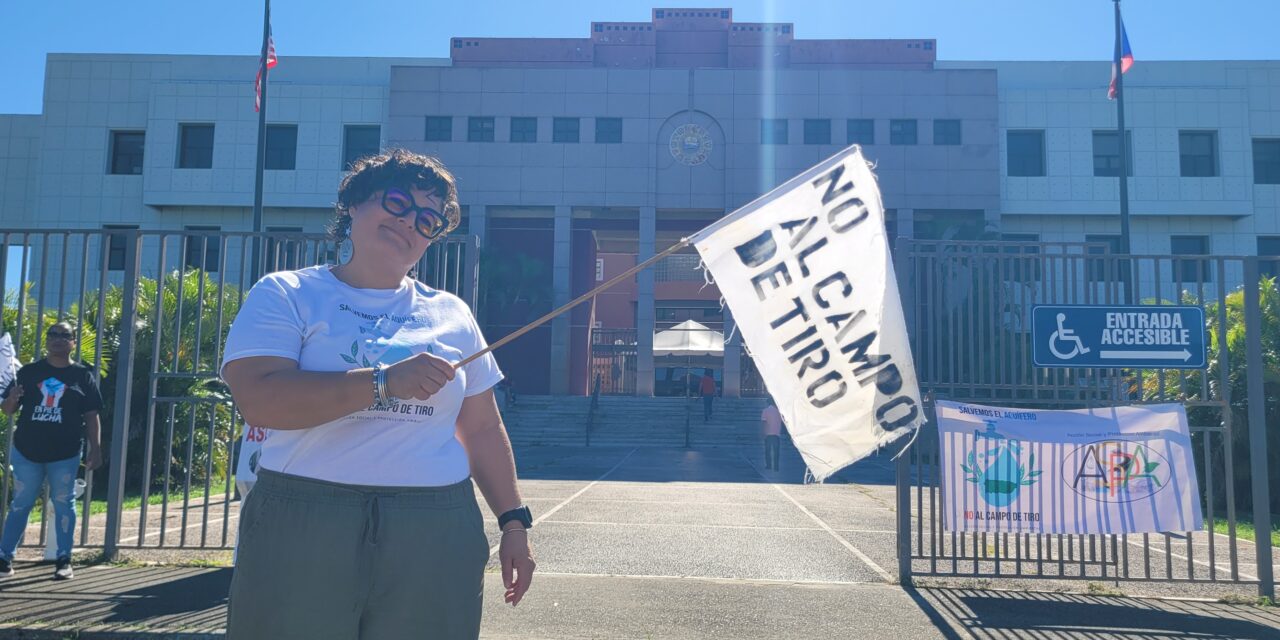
<point x="1113" y="337"/>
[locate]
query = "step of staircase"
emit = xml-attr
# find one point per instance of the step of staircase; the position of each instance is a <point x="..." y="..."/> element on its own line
<point x="633" y="421"/>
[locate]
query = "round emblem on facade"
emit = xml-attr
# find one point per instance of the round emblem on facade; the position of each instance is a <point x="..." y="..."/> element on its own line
<point x="690" y="144"/>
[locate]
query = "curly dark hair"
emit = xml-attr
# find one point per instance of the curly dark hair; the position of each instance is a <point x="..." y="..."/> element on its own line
<point x="394" y="168"/>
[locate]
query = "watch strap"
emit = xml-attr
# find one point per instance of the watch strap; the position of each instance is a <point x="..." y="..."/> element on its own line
<point x="519" y="514"/>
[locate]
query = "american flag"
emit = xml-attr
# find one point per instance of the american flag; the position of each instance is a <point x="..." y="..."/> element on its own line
<point x="1126" y="61"/>
<point x="271" y="63"/>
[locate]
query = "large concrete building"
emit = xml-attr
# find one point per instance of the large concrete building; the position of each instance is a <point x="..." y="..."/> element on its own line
<point x="578" y="156"/>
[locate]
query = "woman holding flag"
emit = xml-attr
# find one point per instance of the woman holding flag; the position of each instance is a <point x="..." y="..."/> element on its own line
<point x="364" y="521"/>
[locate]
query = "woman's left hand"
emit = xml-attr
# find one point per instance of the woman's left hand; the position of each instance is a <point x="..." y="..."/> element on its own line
<point x="516" y="557"/>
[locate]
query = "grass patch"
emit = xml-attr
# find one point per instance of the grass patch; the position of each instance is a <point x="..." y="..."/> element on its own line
<point x="99" y="507"/>
<point x="1255" y="601"/>
<point x="1099" y="589"/>
<point x="1246" y="530"/>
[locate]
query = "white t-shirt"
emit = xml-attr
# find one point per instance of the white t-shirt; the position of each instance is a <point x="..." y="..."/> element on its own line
<point x="323" y="324"/>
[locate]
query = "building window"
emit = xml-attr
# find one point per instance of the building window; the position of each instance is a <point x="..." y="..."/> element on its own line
<point x="773" y="131"/>
<point x="358" y="141"/>
<point x="195" y="146"/>
<point x="1199" y="153"/>
<point x="126" y="152"/>
<point x="1026" y="153"/>
<point x="439" y="129"/>
<point x="282" y="147"/>
<point x="1105" y="269"/>
<point x="480" y="129"/>
<point x="861" y="131"/>
<point x="946" y="132"/>
<point x="283" y="252"/>
<point x="817" y="132"/>
<point x="1266" y="161"/>
<point x="608" y="130"/>
<point x="564" y="130"/>
<point x="1106" y="154"/>
<point x="902" y="132"/>
<point x="116" y="246"/>
<point x="1269" y="247"/>
<point x="524" y="129"/>
<point x="1191" y="270"/>
<point x="204" y="251"/>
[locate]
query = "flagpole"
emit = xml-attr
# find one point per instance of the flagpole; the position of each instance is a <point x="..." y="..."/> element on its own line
<point x="1126" y="248"/>
<point x="262" y="145"/>
<point x="575" y="302"/>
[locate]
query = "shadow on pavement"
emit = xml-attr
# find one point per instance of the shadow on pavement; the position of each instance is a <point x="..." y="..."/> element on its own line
<point x="996" y="614"/>
<point x="189" y="598"/>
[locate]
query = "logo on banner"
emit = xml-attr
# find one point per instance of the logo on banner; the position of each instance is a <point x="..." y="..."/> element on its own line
<point x="997" y="468"/>
<point x="1115" y="471"/>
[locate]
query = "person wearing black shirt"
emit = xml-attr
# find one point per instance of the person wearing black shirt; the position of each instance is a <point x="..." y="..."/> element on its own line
<point x="57" y="401"/>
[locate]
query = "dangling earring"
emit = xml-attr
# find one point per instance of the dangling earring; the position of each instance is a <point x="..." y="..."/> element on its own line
<point x="345" y="250"/>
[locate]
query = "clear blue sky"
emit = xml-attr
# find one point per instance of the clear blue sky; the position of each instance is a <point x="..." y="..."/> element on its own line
<point x="965" y="29"/>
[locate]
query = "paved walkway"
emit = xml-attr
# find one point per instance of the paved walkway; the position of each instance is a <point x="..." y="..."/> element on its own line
<point x="672" y="543"/>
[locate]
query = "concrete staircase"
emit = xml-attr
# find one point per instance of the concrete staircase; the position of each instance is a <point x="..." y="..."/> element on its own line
<point x="632" y="421"/>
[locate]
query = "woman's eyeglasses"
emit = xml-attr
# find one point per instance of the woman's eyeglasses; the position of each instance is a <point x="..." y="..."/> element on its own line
<point x="429" y="222"/>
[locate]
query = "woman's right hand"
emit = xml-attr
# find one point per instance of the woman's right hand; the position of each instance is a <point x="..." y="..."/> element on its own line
<point x="418" y="377"/>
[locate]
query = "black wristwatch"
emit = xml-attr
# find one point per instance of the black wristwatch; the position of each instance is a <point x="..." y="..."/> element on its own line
<point x="519" y="514"/>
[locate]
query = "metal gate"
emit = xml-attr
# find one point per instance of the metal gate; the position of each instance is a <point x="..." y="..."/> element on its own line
<point x="968" y="309"/>
<point x="153" y="309"/>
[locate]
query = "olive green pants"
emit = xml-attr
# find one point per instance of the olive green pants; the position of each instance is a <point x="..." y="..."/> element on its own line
<point x="321" y="560"/>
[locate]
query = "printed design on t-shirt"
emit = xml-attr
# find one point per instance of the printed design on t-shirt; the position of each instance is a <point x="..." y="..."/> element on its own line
<point x="49" y="409"/>
<point x="388" y="340"/>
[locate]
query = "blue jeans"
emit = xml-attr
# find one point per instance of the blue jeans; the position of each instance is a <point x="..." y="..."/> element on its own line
<point x="28" y="477"/>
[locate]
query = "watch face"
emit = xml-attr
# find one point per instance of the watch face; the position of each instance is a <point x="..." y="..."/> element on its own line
<point x="690" y="144"/>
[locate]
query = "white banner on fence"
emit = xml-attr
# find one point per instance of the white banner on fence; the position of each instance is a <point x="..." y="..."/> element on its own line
<point x="1112" y="470"/>
<point x="806" y="271"/>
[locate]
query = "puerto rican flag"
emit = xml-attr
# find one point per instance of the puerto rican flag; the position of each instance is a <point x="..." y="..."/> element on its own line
<point x="1126" y="61"/>
<point x="271" y="63"/>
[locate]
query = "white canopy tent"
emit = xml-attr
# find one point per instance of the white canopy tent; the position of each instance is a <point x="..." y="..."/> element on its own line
<point x="688" y="339"/>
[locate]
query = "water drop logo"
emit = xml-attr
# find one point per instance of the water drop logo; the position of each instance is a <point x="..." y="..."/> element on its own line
<point x="995" y="465"/>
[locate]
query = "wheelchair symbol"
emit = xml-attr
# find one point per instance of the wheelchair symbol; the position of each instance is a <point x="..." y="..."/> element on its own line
<point x="1066" y="335"/>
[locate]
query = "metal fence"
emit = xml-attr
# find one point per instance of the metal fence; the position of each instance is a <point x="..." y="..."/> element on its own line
<point x="968" y="308"/>
<point x="153" y="309"/>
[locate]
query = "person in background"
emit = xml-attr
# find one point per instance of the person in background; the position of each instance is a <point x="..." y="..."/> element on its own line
<point x="771" y="429"/>
<point x="57" y="401"/>
<point x="707" y="389"/>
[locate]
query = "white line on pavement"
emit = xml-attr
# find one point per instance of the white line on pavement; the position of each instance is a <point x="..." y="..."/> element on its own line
<point x="684" y="525"/>
<point x="176" y="530"/>
<point x="494" y="549"/>
<point x="759" y="581"/>
<point x="1226" y="570"/>
<point x="852" y="549"/>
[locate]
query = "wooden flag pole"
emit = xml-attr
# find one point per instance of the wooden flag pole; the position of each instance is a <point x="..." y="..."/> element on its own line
<point x="575" y="302"/>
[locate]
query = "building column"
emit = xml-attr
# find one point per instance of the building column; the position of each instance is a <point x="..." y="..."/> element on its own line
<point x="645" y="305"/>
<point x="478" y="222"/>
<point x="732" y="374"/>
<point x="561" y="268"/>
<point x="906" y="223"/>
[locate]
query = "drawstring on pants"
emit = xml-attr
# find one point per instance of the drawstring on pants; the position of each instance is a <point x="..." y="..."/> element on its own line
<point x="372" y="517"/>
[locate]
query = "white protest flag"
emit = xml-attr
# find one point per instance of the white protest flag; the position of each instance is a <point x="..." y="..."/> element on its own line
<point x="8" y="362"/>
<point x="806" y="271"/>
<point x="1081" y="471"/>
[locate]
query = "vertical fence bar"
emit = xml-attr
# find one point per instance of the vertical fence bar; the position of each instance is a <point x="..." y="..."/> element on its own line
<point x="1258" y="429"/>
<point x="124" y="391"/>
<point x="157" y="325"/>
